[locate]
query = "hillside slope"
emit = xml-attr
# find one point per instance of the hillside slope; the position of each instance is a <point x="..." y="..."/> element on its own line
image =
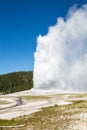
<point x="16" y="81"/>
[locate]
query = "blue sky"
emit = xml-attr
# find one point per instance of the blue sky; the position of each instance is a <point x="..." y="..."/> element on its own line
<point x="21" y="21"/>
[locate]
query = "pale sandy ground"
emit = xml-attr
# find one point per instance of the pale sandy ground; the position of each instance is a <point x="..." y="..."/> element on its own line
<point x="31" y="106"/>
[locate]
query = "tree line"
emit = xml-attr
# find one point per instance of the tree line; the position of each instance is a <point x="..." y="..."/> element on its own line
<point x="16" y="81"/>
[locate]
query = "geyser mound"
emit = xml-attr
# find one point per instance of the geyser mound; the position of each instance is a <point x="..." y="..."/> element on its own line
<point x="61" y="55"/>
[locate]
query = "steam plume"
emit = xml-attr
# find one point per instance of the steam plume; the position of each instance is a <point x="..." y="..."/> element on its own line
<point x="61" y="55"/>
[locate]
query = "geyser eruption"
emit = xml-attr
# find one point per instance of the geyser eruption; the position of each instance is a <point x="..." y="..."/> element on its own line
<point x="61" y="55"/>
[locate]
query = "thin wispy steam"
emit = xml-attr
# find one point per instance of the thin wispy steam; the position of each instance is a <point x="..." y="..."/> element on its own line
<point x="61" y="55"/>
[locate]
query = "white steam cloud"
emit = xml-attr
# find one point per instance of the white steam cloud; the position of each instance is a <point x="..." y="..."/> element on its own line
<point x="61" y="55"/>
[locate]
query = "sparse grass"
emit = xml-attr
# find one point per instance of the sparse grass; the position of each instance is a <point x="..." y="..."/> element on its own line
<point x="3" y="102"/>
<point x="1" y="93"/>
<point x="78" y="95"/>
<point x="80" y="103"/>
<point x="49" y="118"/>
<point x="34" y="97"/>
